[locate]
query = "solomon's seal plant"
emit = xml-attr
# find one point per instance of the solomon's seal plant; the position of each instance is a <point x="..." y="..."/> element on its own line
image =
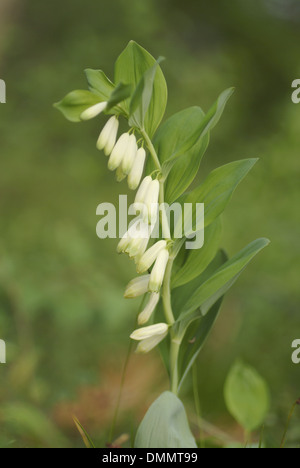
<point x="182" y="289"/>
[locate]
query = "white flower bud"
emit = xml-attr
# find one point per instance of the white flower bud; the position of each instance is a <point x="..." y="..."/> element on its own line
<point x="93" y="111"/>
<point x="158" y="271"/>
<point x="137" y="287"/>
<point x="120" y="174"/>
<point x="129" y="156"/>
<point x="134" y="247"/>
<point x="104" y="136"/>
<point x="150" y="256"/>
<point x="148" y="332"/>
<point x="142" y="191"/>
<point x="145" y="315"/>
<point x="118" y="152"/>
<point x="123" y="244"/>
<point x="151" y="201"/>
<point x="141" y="251"/>
<point x="147" y="345"/>
<point x="137" y="170"/>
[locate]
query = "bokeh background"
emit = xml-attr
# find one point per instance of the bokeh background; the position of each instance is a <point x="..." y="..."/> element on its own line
<point x="62" y="314"/>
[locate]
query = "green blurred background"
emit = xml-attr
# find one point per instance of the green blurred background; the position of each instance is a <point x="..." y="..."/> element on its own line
<point x="62" y="315"/>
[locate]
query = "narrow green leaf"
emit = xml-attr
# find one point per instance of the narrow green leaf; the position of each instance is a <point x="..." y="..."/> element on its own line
<point x="130" y="68"/>
<point x="85" y="437"/>
<point x="216" y="286"/>
<point x="247" y="396"/>
<point x="195" y="339"/>
<point x="215" y="192"/>
<point x="74" y="103"/>
<point x="99" y="83"/>
<point x="165" y="425"/>
<point x="199" y="259"/>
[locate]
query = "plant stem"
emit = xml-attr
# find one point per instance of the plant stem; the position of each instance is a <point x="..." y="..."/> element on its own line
<point x="166" y="288"/>
<point x="151" y="148"/>
<point x="174" y="353"/>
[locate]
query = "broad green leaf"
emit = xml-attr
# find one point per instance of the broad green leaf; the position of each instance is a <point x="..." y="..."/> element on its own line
<point x="119" y="94"/>
<point x="185" y="170"/>
<point x="219" y="283"/>
<point x="199" y="259"/>
<point x="215" y="192"/>
<point x="99" y="83"/>
<point x="142" y="96"/>
<point x="165" y="425"/>
<point x="75" y="103"/>
<point x="170" y="138"/>
<point x="247" y="396"/>
<point x="182" y="294"/>
<point x="204" y="125"/>
<point x="130" y="68"/>
<point x="195" y="338"/>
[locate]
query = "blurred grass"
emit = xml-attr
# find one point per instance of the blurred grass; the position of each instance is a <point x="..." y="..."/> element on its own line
<point x="62" y="312"/>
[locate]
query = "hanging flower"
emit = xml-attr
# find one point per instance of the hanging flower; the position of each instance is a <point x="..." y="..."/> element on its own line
<point x="135" y="175"/>
<point x="151" y="201"/>
<point x="145" y="315"/>
<point x="150" y="331"/>
<point x="142" y="191"/>
<point x="148" y="344"/>
<point x="130" y="155"/>
<point x="108" y="136"/>
<point x="118" y="152"/>
<point x="137" y="287"/>
<point x="158" y="271"/>
<point x="150" y="256"/>
<point x="93" y="111"/>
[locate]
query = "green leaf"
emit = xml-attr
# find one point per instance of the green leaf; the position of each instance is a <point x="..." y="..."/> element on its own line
<point x="170" y="138"/>
<point x="75" y="103"/>
<point x="219" y="283"/>
<point x="215" y="192"/>
<point x="195" y="338"/>
<point x="165" y="425"/>
<point x="199" y="259"/>
<point x="99" y="83"/>
<point x="130" y="68"/>
<point x="142" y="96"/>
<point x="84" y="435"/>
<point x="119" y="94"/>
<point x="204" y="125"/>
<point x="246" y="396"/>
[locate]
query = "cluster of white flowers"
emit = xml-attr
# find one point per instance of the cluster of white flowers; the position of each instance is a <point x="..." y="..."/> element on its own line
<point x="128" y="160"/>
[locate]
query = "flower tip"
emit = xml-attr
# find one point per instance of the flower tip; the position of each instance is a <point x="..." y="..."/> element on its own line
<point x="93" y="111"/>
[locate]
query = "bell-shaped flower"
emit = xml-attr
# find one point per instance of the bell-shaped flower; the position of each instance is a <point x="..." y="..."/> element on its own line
<point x="120" y="174"/>
<point x="150" y="256"/>
<point x="118" y="152"/>
<point x="129" y="156"/>
<point x="108" y="136"/>
<point x="142" y="191"/>
<point x="137" y="287"/>
<point x="145" y="315"/>
<point x="135" y="175"/>
<point x="151" y="201"/>
<point x="158" y="271"/>
<point x="150" y="331"/>
<point x="93" y="111"/>
<point x="148" y="344"/>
